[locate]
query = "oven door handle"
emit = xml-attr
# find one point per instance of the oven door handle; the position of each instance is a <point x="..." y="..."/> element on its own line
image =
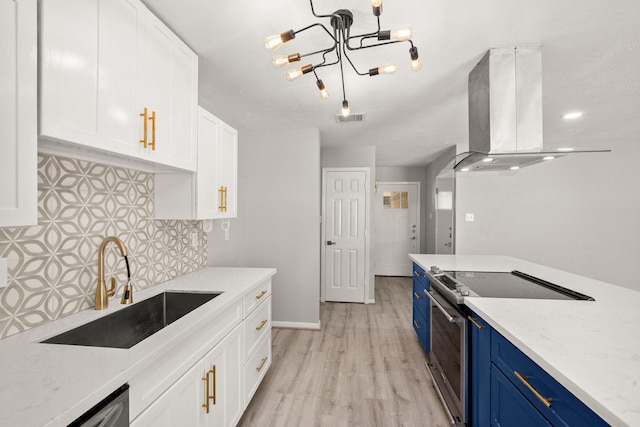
<point x="449" y="317"/>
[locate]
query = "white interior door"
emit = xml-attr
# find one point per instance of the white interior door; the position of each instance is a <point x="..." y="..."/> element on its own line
<point x="445" y="212"/>
<point x="345" y="225"/>
<point x="397" y="227"/>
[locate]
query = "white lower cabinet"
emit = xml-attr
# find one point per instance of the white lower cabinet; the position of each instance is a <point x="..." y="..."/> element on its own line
<point x="208" y="394"/>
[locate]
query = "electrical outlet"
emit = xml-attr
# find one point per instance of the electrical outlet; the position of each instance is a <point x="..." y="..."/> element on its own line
<point x="3" y="272"/>
<point x="470" y="217"/>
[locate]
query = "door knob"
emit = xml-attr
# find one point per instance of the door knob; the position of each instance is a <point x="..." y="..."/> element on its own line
<point x="329" y="243"/>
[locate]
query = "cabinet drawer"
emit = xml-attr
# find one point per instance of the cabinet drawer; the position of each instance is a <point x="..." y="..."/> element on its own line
<point x="255" y="296"/>
<point x="563" y="408"/>
<point x="256" y="326"/>
<point x="256" y="367"/>
<point x="419" y="275"/>
<point x="421" y="326"/>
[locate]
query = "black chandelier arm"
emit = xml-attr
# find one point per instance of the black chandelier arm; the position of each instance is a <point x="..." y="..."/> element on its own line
<point x="373" y="34"/>
<point x="322" y="51"/>
<point x="317" y="24"/>
<point x="353" y="66"/>
<point x="377" y="44"/>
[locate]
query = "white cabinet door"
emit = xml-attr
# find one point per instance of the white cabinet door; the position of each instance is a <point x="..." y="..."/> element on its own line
<point x="214" y="186"/>
<point x="90" y="69"/>
<point x="18" y="113"/>
<point x="180" y="405"/>
<point x="224" y="364"/>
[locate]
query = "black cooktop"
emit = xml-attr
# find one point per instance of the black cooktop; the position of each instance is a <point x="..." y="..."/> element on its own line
<point x="511" y="285"/>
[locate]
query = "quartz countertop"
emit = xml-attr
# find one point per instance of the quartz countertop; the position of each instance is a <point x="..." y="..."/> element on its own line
<point x="591" y="347"/>
<point x="52" y="385"/>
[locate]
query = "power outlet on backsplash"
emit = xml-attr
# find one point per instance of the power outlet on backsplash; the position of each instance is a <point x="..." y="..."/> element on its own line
<point x="3" y="272"/>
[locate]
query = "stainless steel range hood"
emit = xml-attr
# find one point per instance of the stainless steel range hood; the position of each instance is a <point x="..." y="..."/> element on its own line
<point x="505" y="113"/>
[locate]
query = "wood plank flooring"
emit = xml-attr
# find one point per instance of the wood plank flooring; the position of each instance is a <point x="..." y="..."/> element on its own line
<point x="364" y="368"/>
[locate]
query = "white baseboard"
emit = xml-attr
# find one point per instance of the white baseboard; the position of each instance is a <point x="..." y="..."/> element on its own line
<point x="371" y="301"/>
<point x="296" y="325"/>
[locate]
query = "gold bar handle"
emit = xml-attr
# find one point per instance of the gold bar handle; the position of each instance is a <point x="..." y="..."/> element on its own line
<point x="417" y="295"/>
<point x="264" y="360"/>
<point x="415" y="322"/>
<point x="545" y="400"/>
<point x="261" y="325"/>
<point x="222" y="206"/>
<point x="225" y="199"/>
<point x="145" y="117"/>
<point x="205" y="405"/>
<point x="263" y="293"/>
<point x="474" y="320"/>
<point x="215" y="393"/>
<point x="153" y="130"/>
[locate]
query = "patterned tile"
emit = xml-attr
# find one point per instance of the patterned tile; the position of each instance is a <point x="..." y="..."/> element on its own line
<point x="52" y="267"/>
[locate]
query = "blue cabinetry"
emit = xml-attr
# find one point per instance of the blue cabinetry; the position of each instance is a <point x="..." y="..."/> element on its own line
<point x="508" y="388"/>
<point x="421" y="307"/>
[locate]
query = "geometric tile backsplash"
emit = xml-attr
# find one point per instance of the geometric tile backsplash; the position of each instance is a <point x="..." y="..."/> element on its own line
<point x="52" y="267"/>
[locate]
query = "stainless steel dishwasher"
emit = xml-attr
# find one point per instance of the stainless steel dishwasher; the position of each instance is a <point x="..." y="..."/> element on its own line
<point x="112" y="411"/>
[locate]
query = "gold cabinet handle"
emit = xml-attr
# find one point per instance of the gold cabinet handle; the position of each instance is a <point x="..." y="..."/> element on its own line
<point x="261" y="325"/>
<point x="153" y="130"/>
<point x="417" y="295"/>
<point x="415" y="322"/>
<point x="223" y="199"/>
<point x="475" y="322"/>
<point x="145" y="118"/>
<point x="545" y="400"/>
<point x="205" y="405"/>
<point x="264" y="360"/>
<point x="215" y="392"/>
<point x="263" y="293"/>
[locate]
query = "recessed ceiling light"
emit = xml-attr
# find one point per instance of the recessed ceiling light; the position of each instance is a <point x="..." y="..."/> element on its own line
<point x="565" y="149"/>
<point x="548" y="158"/>
<point x="515" y="168"/>
<point x="573" y="115"/>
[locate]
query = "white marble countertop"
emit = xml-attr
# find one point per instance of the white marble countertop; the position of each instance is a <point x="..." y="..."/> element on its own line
<point x="52" y="385"/>
<point x="590" y="347"/>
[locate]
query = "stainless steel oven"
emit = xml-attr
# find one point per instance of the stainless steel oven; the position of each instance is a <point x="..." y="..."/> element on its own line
<point x="449" y="355"/>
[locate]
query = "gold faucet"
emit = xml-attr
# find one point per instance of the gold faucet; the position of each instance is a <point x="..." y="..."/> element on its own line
<point x="102" y="294"/>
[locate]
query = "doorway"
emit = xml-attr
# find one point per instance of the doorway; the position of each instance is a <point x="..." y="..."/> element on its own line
<point x="397" y="211"/>
<point x="345" y="231"/>
<point x="445" y="212"/>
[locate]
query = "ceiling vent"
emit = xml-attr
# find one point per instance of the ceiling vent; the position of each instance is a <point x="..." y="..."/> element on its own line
<point x="353" y="117"/>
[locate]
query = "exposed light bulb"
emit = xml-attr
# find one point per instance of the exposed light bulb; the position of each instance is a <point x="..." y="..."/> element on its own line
<point x="297" y="72"/>
<point x="416" y="63"/>
<point x="323" y="89"/>
<point x="377" y="7"/>
<point x="275" y="41"/>
<point x="345" y="108"/>
<point x="387" y="69"/>
<point x="376" y="3"/>
<point x="280" y="60"/>
<point x="401" y="34"/>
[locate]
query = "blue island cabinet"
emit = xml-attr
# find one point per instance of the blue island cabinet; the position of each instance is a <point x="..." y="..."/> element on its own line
<point x="421" y="307"/>
<point x="509" y="389"/>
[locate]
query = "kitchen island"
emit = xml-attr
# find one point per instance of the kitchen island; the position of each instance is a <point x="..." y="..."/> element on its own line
<point x="592" y="348"/>
<point x="51" y="385"/>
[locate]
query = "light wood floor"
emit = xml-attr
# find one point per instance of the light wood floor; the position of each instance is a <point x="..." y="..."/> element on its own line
<point x="364" y="368"/>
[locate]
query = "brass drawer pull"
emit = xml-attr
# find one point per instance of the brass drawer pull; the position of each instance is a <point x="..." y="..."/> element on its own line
<point x="415" y="322"/>
<point x="417" y="295"/>
<point x="475" y="322"/>
<point x="145" y="117"/>
<point x="264" y="360"/>
<point x="261" y="325"/>
<point x="215" y="393"/>
<point x="545" y="400"/>
<point x="153" y="130"/>
<point x="263" y="293"/>
<point x="223" y="199"/>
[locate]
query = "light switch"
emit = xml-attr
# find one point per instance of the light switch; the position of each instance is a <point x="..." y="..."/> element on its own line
<point x="3" y="272"/>
<point x="470" y="217"/>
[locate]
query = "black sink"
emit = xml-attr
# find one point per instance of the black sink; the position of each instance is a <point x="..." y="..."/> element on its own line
<point x="125" y="328"/>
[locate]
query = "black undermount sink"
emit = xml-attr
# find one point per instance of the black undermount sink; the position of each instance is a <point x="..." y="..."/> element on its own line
<point x="127" y="327"/>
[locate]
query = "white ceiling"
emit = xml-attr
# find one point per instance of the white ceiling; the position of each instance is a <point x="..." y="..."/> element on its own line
<point x="590" y="61"/>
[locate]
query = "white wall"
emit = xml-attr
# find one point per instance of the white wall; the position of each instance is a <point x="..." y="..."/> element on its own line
<point x="580" y="213"/>
<point x="278" y="222"/>
<point x="358" y="157"/>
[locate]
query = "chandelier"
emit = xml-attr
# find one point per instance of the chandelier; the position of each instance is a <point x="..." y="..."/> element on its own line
<point x="342" y="43"/>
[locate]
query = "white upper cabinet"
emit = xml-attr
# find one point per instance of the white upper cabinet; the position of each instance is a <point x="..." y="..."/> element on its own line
<point x="116" y="80"/>
<point x="18" y="113"/>
<point x="212" y="192"/>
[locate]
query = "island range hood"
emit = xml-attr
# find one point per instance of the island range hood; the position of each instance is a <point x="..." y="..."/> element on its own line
<point x="505" y="113"/>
